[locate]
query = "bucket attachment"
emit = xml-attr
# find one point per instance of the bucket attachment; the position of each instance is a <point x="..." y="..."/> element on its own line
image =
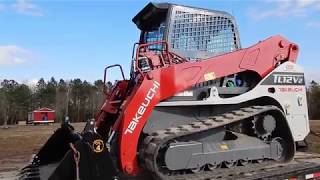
<point x="68" y="155"/>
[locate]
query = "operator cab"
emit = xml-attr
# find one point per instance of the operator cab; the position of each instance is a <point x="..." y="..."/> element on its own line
<point x="193" y="33"/>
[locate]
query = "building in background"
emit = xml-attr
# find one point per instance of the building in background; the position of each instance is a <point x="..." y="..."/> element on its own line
<point x="41" y="116"/>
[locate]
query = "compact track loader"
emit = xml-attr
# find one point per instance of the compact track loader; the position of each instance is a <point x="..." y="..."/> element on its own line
<point x="195" y="101"/>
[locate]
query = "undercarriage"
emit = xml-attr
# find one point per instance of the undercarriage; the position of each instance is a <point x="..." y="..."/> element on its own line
<point x="218" y="142"/>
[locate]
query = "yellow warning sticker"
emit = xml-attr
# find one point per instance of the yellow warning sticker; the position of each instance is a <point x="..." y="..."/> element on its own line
<point x="224" y="147"/>
<point x="209" y="76"/>
<point x="98" y="145"/>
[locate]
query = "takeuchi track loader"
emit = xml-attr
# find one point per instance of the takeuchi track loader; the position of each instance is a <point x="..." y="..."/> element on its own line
<point x="195" y="101"/>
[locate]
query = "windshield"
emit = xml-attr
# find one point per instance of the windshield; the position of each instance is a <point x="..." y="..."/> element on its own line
<point x="154" y="34"/>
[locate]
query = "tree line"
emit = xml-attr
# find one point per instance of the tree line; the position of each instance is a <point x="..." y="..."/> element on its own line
<point x="313" y="97"/>
<point x="78" y="99"/>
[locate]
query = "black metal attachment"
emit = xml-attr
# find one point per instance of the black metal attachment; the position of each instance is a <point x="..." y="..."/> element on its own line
<point x="69" y="155"/>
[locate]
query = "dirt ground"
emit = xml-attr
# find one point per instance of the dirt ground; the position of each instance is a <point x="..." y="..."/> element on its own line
<point x="19" y="142"/>
<point x="313" y="139"/>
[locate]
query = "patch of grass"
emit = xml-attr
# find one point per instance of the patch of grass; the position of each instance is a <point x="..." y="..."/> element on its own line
<point x="19" y="142"/>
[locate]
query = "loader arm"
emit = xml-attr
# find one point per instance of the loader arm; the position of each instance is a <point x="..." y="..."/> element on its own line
<point x="161" y="83"/>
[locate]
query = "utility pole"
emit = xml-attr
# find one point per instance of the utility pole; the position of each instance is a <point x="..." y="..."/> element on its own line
<point x="66" y="120"/>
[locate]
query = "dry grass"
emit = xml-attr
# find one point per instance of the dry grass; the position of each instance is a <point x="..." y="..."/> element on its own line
<point x="312" y="139"/>
<point x="19" y="142"/>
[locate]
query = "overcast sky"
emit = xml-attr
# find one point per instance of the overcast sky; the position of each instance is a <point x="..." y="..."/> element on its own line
<point x="77" y="39"/>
